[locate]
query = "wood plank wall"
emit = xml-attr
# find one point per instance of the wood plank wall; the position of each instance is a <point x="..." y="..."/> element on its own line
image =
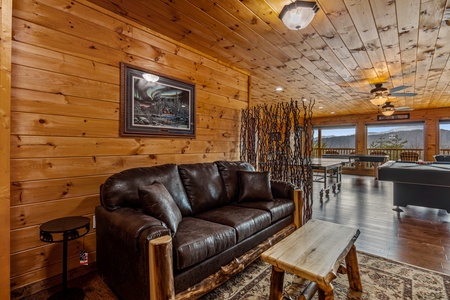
<point x="430" y="118"/>
<point x="5" y="108"/>
<point x="65" y="119"/>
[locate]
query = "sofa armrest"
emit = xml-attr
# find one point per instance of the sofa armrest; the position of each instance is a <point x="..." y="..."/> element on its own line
<point x="132" y="227"/>
<point x="123" y="237"/>
<point x="282" y="189"/>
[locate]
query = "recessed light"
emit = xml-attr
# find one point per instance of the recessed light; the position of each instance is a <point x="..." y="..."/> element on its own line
<point x="304" y="99"/>
<point x="278" y="88"/>
<point x="320" y="107"/>
<point x="332" y="112"/>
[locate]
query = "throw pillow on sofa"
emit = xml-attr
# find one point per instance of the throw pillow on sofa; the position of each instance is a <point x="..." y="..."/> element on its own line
<point x="158" y="203"/>
<point x="254" y="186"/>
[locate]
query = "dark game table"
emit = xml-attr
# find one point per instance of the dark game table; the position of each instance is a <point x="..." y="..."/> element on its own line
<point x="424" y="184"/>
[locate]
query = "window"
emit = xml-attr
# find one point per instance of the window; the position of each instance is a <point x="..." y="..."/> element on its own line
<point x="444" y="137"/>
<point x="395" y="139"/>
<point x="334" y="140"/>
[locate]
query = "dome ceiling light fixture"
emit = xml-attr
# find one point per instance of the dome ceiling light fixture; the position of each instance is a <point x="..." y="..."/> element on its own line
<point x="150" y="77"/>
<point x="298" y="14"/>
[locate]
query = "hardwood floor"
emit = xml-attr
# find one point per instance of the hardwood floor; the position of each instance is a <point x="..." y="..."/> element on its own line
<point x="417" y="236"/>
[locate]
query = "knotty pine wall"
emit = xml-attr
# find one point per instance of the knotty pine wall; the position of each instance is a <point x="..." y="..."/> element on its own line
<point x="5" y="108"/>
<point x="65" y="120"/>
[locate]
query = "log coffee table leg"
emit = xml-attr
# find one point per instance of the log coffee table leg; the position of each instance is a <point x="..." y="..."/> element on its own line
<point x="326" y="293"/>
<point x="276" y="283"/>
<point x="351" y="260"/>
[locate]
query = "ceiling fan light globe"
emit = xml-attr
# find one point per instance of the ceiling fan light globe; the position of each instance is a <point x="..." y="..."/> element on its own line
<point x="387" y="113"/>
<point x="378" y="100"/>
<point x="388" y="109"/>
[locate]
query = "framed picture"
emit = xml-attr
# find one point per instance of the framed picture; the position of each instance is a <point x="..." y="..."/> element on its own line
<point x="393" y="117"/>
<point x="152" y="104"/>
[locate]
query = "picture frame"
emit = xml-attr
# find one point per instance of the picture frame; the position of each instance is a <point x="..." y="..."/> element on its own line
<point x="156" y="106"/>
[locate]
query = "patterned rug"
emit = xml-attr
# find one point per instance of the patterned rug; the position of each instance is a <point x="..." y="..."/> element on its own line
<point x="381" y="279"/>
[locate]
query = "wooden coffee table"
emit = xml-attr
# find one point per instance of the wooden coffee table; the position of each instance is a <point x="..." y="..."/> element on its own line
<point x="314" y="252"/>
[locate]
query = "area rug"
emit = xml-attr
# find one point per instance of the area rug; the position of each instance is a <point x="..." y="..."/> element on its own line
<point x="381" y="279"/>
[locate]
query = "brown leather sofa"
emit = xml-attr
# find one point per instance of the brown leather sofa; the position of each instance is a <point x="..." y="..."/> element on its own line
<point x="213" y="212"/>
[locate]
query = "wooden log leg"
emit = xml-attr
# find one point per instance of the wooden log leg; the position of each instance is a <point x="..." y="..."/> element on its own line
<point x="326" y="293"/>
<point x="160" y="266"/>
<point x="354" y="279"/>
<point x="299" y="210"/>
<point x="309" y="291"/>
<point x="276" y="284"/>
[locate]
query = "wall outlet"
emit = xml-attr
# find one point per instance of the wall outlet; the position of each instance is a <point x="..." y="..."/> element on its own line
<point x="94" y="224"/>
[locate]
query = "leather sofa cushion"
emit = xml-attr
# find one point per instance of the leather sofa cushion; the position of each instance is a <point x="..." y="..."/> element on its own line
<point x="197" y="240"/>
<point x="254" y="186"/>
<point x="228" y="171"/>
<point x="157" y="202"/>
<point x="121" y="189"/>
<point x="278" y="208"/>
<point x="246" y="221"/>
<point x="204" y="186"/>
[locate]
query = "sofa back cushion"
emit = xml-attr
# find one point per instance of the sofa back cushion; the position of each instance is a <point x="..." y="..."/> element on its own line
<point x="204" y="186"/>
<point x="121" y="189"/>
<point x="228" y="170"/>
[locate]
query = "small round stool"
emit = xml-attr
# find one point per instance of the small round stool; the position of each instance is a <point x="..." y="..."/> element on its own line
<point x="64" y="230"/>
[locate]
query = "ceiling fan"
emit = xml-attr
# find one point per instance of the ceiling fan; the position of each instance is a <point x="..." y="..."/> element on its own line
<point x="380" y="94"/>
<point x="379" y="90"/>
<point x="388" y="108"/>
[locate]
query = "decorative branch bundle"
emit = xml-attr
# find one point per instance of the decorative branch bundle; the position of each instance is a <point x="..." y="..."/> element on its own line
<point x="279" y="139"/>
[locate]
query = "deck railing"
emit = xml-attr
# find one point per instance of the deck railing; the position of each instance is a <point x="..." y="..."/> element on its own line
<point x="393" y="153"/>
<point x="444" y="151"/>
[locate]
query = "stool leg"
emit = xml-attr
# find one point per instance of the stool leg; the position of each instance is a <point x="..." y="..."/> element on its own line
<point x="64" y="283"/>
<point x="351" y="260"/>
<point x="276" y="283"/>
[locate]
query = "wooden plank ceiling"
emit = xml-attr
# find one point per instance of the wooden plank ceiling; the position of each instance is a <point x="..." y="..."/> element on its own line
<point x="349" y="46"/>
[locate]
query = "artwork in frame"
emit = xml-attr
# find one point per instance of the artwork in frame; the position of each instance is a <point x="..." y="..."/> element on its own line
<point x="153" y="104"/>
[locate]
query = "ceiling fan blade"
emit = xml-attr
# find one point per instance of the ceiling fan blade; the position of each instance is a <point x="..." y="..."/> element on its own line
<point x="398" y="88"/>
<point x="403" y="95"/>
<point x="404" y="108"/>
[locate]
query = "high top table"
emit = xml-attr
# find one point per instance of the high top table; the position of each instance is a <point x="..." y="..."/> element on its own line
<point x="331" y="168"/>
<point x="64" y="230"/>
<point x="376" y="160"/>
<point x="314" y="252"/>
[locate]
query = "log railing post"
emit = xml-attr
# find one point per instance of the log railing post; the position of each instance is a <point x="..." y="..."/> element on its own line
<point x="298" y="214"/>
<point x="160" y="269"/>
